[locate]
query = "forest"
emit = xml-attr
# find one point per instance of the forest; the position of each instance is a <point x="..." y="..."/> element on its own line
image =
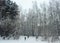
<point x="37" y="21"/>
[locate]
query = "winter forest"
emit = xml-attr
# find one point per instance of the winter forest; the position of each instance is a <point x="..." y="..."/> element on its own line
<point x="42" y="21"/>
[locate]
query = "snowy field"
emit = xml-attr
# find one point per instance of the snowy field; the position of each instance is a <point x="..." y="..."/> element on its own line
<point x="28" y="40"/>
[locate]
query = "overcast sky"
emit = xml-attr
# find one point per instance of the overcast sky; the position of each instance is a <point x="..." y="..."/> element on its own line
<point x="26" y="4"/>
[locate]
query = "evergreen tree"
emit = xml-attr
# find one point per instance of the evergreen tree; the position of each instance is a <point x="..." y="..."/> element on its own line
<point x="8" y="18"/>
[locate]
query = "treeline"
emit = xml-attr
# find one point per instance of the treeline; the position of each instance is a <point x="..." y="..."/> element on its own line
<point x="38" y="21"/>
<point x="42" y="21"/>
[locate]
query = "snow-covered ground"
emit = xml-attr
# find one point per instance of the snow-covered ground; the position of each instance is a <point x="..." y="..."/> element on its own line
<point x="28" y="40"/>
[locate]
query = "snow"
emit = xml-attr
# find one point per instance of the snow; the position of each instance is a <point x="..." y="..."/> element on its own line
<point x="28" y="40"/>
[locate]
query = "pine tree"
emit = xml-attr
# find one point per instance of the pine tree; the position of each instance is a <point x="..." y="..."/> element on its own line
<point x="8" y="18"/>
